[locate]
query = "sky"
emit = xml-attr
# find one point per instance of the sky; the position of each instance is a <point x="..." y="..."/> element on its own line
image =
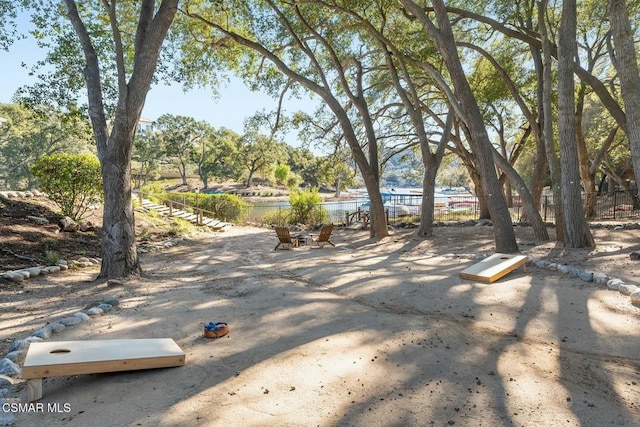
<point x="233" y="105"/>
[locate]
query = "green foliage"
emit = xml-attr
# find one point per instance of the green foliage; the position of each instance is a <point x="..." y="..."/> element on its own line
<point x="28" y="134"/>
<point x="181" y="227"/>
<point x="225" y="207"/>
<point x="73" y="181"/>
<point x="216" y="155"/>
<point x="148" y="152"/>
<point x="304" y="207"/>
<point x="179" y="135"/>
<point x="153" y="188"/>
<point x="276" y="217"/>
<point x="282" y="173"/>
<point x="52" y="257"/>
<point x="259" y="153"/>
<point x="145" y="235"/>
<point x="293" y="181"/>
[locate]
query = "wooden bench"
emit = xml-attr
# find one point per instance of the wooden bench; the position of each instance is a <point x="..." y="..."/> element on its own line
<point x="58" y="358"/>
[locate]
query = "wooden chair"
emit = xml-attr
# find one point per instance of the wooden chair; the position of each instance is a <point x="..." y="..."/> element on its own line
<point x="323" y="237"/>
<point x="284" y="238"/>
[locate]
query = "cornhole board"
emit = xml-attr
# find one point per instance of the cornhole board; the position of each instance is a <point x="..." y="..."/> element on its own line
<point x="58" y="358"/>
<point x="494" y="267"/>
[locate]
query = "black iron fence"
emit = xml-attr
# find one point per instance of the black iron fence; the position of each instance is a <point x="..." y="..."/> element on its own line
<point x="618" y="205"/>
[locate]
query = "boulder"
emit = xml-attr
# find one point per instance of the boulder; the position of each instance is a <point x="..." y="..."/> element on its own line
<point x="9" y="368"/>
<point x="82" y="316"/>
<point x="627" y="289"/>
<point x="67" y="224"/>
<point x="94" y="311"/>
<point x="17" y="356"/>
<point x="87" y="226"/>
<point x="71" y="321"/>
<point x="614" y="284"/>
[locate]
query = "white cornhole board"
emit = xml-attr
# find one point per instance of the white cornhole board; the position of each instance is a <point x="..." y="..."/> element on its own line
<point x="57" y="358"/>
<point x="494" y="267"/>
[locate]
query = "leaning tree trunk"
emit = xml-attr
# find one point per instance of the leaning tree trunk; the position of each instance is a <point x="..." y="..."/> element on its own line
<point x="577" y="233"/>
<point x="588" y="180"/>
<point x="529" y="205"/>
<point x="540" y="165"/>
<point x="442" y="35"/>
<point x="547" y="124"/>
<point x="627" y="67"/>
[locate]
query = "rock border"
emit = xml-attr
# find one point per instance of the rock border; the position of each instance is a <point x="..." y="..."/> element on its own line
<point x="22" y="194"/>
<point x="11" y="364"/>
<point x="62" y="265"/>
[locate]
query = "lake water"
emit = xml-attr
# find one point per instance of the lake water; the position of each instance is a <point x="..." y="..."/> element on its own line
<point x="397" y="204"/>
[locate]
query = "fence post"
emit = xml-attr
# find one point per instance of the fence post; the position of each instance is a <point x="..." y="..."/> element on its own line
<point x="615" y="203"/>
<point x="170" y="207"/>
<point x="546" y="205"/>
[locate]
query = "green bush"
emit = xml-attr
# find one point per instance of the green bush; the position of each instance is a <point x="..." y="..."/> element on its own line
<point x="278" y="217"/>
<point x="73" y="181"/>
<point x="52" y="258"/>
<point x="305" y="207"/>
<point x="225" y="207"/>
<point x="153" y="188"/>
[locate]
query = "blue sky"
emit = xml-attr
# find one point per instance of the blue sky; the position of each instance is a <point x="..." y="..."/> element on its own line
<point x="234" y="103"/>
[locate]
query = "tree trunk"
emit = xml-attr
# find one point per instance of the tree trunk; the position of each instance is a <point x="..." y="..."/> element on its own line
<point x="588" y="178"/>
<point x="425" y="229"/>
<point x="627" y="67"/>
<point x="431" y="162"/>
<point x="577" y="233"/>
<point x="541" y="163"/>
<point x="368" y="170"/>
<point x="119" y="254"/>
<point x="504" y="235"/>
<point x="547" y="124"/>
<point x="529" y="205"/>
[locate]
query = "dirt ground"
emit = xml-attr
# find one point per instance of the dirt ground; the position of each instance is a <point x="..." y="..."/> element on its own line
<point x="369" y="333"/>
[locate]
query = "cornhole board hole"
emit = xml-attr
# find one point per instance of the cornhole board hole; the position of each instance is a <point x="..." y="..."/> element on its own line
<point x="494" y="267"/>
<point x="58" y="358"/>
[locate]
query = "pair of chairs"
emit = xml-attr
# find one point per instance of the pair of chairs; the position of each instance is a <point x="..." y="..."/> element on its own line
<point x="286" y="239"/>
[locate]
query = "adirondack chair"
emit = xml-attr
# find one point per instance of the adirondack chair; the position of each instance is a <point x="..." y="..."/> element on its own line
<point x="323" y="237"/>
<point x="285" y="239"/>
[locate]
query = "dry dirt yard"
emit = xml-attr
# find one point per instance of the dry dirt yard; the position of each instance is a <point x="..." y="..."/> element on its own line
<point x="370" y="333"/>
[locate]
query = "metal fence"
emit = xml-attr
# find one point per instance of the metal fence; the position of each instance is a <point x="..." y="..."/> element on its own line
<point x="617" y="205"/>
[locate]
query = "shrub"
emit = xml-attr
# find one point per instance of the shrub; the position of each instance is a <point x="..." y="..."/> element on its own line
<point x="73" y="181"/>
<point x="52" y="258"/>
<point x="304" y="207"/>
<point x="225" y="207"/>
<point x="282" y="173"/>
<point x="277" y="217"/>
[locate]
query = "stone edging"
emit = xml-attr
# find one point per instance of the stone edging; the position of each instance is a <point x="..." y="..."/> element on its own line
<point x="632" y="291"/>
<point x="10" y="365"/>
<point x="62" y="265"/>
